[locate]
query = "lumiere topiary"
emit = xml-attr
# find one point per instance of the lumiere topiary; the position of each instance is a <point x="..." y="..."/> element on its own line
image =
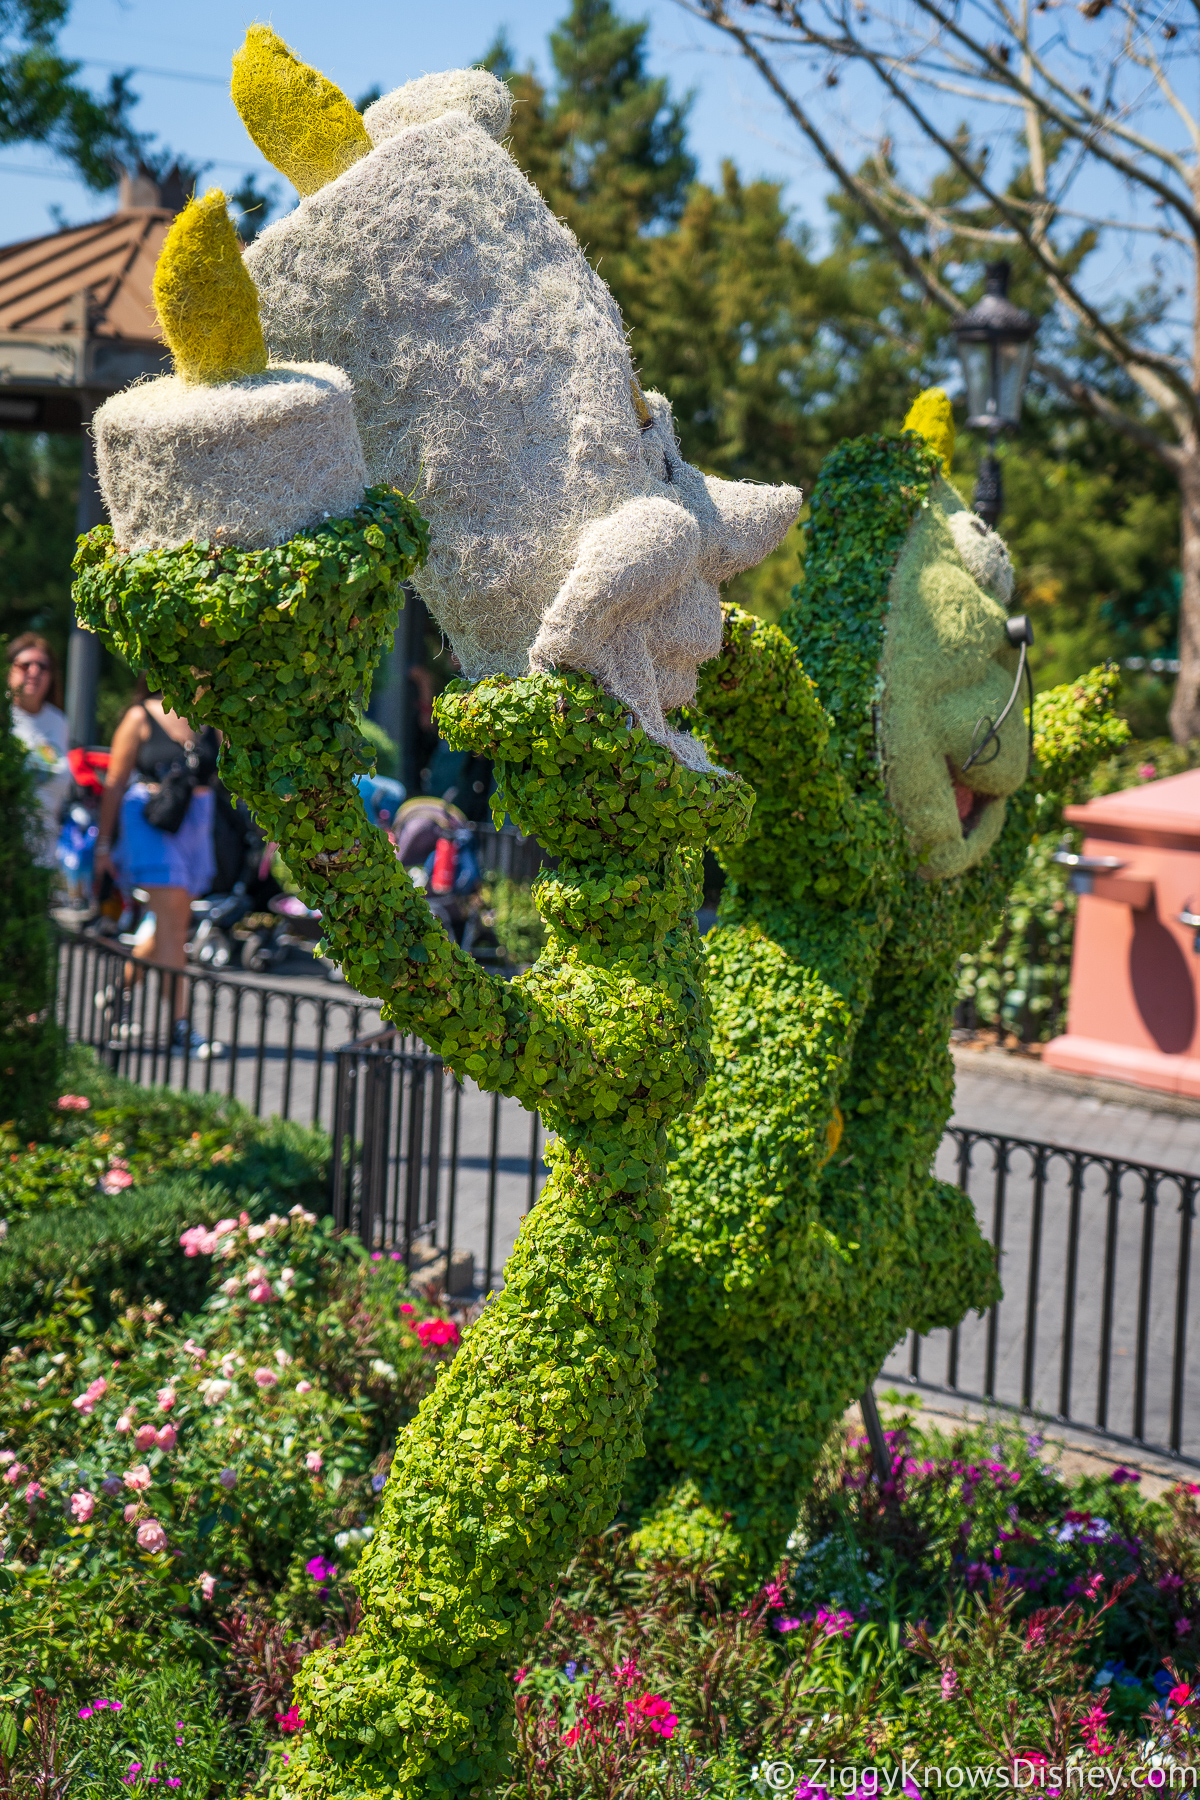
<point x="807" y="1234"/>
<point x="523" y="1444"/>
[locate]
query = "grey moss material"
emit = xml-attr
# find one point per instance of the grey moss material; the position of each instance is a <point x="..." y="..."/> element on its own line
<point x="492" y="381"/>
<point x="250" y="462"/>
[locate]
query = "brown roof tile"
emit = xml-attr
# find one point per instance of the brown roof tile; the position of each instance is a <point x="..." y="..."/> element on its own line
<point x="112" y="261"/>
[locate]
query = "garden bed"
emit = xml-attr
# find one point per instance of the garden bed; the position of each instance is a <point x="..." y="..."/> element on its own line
<point x="192" y="1460"/>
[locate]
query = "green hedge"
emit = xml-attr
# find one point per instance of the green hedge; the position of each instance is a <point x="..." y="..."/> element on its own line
<point x="125" y="1246"/>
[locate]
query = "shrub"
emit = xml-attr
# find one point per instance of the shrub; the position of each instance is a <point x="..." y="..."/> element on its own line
<point x="29" y="1039"/>
<point x="100" y="1202"/>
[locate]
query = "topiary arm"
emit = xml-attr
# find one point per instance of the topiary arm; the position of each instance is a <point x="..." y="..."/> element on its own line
<point x="272" y="647"/>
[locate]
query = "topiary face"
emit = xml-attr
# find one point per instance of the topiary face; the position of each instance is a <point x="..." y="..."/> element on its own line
<point x="946" y="665"/>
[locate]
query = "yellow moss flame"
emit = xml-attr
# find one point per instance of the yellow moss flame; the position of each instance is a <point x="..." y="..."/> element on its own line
<point x="304" y="125"/>
<point x="833" y="1136"/>
<point x="207" y="303"/>
<point x="931" y="418"/>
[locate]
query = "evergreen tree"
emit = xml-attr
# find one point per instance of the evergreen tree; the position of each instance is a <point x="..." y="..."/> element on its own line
<point x="28" y="1033"/>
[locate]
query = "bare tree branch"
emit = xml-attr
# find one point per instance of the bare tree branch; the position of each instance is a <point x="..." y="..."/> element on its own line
<point x="1101" y="407"/>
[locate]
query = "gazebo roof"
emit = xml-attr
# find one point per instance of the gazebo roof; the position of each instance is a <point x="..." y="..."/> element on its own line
<point x="112" y="262"/>
<point x="77" y="317"/>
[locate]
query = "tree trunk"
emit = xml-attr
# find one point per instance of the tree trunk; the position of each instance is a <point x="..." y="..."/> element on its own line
<point x="1185" y="708"/>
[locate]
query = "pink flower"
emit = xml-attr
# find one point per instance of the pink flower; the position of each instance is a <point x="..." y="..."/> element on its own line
<point x="262" y="1292"/>
<point x="166" y="1437"/>
<point x="377" y="1256"/>
<point x="125" y="1422"/>
<point x="314" y="1462"/>
<point x="1179" y="1696"/>
<point x="144" y="1437"/>
<point x="290" y="1720"/>
<point x="304" y="1387"/>
<point x="208" y="1585"/>
<point x="1146" y="772"/>
<point x="192" y="1348"/>
<point x="437" y="1331"/>
<point x="14" y="1472"/>
<point x="223" y="1227"/>
<point x="232" y="1286"/>
<point x="1182" y="1627"/>
<point x="83" y="1505"/>
<point x="407" y="1309"/>
<point x="266" y="1378"/>
<point x="133" y="1511"/>
<point x="115" y="1179"/>
<point x="321" y="1569"/>
<point x="788" y="1624"/>
<point x="151" y="1537"/>
<point x="949" y="1684"/>
<point x="34" y="1492"/>
<point x="74" y="1103"/>
<point x="228" y="1479"/>
<point x="166" y="1398"/>
<point x="95" y="1390"/>
<point x="7" y="1456"/>
<point x="198" y="1240"/>
<point x="654" y="1712"/>
<point x="835" y="1624"/>
<point x="138" y="1478"/>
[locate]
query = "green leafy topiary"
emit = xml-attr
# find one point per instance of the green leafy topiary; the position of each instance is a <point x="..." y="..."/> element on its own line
<point x="523" y="1445"/>
<point x="807" y="1233"/>
<point x="29" y="1040"/>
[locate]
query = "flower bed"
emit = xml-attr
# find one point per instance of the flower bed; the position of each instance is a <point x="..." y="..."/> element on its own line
<point x="184" y="1496"/>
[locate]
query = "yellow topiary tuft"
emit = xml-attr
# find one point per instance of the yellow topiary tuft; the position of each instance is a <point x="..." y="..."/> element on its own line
<point x="304" y="125"/>
<point x="930" y="416"/>
<point x="207" y="303"/>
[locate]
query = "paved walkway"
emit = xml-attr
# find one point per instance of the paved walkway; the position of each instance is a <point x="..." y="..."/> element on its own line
<point x="1015" y="1095"/>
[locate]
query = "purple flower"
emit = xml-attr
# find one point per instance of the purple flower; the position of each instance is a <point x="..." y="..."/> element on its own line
<point x="1121" y="1474"/>
<point x="320" y="1568"/>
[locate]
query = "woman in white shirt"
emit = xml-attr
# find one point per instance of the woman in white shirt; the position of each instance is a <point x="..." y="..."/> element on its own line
<point x="35" y="687"/>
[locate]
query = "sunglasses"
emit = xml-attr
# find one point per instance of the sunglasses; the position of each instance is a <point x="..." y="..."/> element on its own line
<point x="33" y="668"/>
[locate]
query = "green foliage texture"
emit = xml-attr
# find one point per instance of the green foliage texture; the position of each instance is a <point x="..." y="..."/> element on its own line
<point x="28" y="1033"/>
<point x="790" y="1272"/>
<point x="523" y="1445"/>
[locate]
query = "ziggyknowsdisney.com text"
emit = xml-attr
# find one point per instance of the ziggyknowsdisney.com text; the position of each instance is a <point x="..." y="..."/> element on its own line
<point x="855" y="1781"/>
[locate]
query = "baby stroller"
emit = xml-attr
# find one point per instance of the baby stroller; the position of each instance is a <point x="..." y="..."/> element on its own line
<point x="234" y="920"/>
<point x="80" y="826"/>
<point x="437" y="846"/>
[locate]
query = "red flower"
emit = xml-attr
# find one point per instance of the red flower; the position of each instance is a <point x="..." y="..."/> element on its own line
<point x="1179" y="1696"/>
<point x="437" y="1331"/>
<point x="654" y="1712"/>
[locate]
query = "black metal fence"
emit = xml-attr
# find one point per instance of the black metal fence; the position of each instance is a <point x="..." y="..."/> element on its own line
<point x="277" y="1045"/>
<point x="429" y="1168"/>
<point x="1095" y="1251"/>
<point x="1096" y="1262"/>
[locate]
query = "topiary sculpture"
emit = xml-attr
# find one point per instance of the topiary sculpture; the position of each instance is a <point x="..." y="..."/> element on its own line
<point x="267" y="624"/>
<point x="807" y="1233"/>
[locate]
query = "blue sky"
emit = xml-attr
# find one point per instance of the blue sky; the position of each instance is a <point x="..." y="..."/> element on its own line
<point x="360" y="44"/>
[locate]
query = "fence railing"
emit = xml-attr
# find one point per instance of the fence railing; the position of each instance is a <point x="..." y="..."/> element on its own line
<point x="429" y="1168"/>
<point x="278" y="1045"/>
<point x="1095" y="1257"/>
<point x="1095" y="1252"/>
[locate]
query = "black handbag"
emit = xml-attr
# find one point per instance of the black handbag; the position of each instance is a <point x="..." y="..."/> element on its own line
<point x="167" y="809"/>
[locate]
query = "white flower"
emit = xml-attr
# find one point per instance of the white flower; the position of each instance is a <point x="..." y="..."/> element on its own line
<point x="256" y="1233"/>
<point x="231" y="1286"/>
<point x="379" y="1367"/>
<point x="213" y="1392"/>
<point x="282" y="1358"/>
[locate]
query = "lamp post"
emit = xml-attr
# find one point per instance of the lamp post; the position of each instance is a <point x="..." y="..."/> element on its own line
<point x="995" y="347"/>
